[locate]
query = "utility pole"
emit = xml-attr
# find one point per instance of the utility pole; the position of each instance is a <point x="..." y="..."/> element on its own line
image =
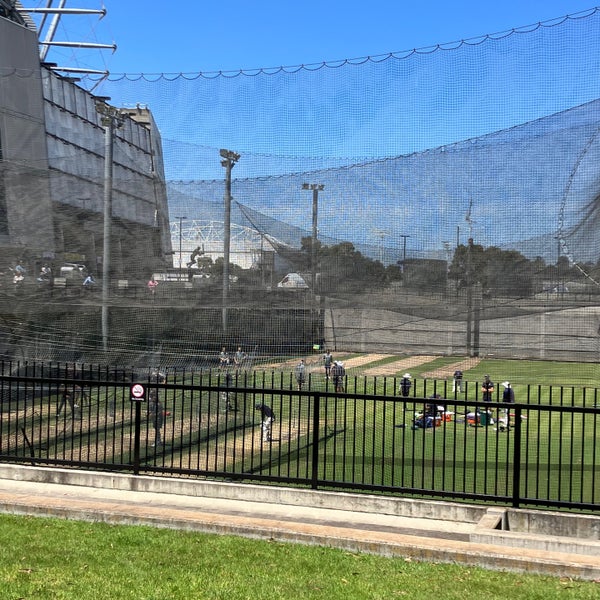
<point x="111" y="119"/>
<point x="229" y="160"/>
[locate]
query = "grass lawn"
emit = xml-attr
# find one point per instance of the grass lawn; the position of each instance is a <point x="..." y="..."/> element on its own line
<point x="55" y="559"/>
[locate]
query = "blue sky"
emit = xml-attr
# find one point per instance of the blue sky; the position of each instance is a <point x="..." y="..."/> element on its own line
<point x="194" y="35"/>
<point x="316" y="122"/>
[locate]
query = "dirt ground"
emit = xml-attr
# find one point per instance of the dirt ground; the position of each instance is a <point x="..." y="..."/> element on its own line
<point x="448" y="371"/>
<point x="314" y="363"/>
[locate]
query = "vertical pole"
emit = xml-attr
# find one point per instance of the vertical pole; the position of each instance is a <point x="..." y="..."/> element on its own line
<point x="226" y="241"/>
<point x="315" y="441"/>
<point x="313" y="253"/>
<point x="229" y="160"/>
<point x="315" y="322"/>
<point x="108" y="184"/>
<point x="181" y="219"/>
<point x="180" y="235"/>
<point x="111" y="118"/>
<point x="469" y="298"/>
<point x="136" y="439"/>
<point x="404" y="236"/>
<point x="517" y="467"/>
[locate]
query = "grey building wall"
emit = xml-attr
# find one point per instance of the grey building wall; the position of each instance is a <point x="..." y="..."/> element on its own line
<point x="24" y="198"/>
<point x="52" y="170"/>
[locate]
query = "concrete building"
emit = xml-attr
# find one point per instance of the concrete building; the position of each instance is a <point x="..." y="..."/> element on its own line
<point x="53" y="180"/>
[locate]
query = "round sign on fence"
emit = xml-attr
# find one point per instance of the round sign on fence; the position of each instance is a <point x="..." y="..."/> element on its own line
<point x="138" y="391"/>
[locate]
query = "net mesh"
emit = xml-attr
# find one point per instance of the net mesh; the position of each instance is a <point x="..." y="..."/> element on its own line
<point x="442" y="200"/>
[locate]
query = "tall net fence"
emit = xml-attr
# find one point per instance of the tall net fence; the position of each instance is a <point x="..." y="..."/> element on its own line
<point x="442" y="200"/>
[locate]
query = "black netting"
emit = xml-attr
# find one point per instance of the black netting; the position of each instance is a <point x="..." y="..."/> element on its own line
<point x="443" y="200"/>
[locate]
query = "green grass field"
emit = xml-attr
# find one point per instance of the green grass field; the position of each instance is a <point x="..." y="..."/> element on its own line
<point x="48" y="558"/>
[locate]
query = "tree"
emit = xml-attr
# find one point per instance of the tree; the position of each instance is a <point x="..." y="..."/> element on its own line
<point x="499" y="272"/>
<point x="342" y="268"/>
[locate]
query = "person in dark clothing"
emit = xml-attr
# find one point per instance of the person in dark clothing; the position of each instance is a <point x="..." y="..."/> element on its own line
<point x="300" y="373"/>
<point x="405" y="385"/>
<point x="156" y="410"/>
<point x="327" y="362"/>
<point x="228" y="398"/>
<point x="508" y="396"/>
<point x="156" y="413"/>
<point x="338" y="374"/>
<point x="67" y="396"/>
<point x="268" y="416"/>
<point x="430" y="417"/>
<point x="487" y="389"/>
<point x="458" y="379"/>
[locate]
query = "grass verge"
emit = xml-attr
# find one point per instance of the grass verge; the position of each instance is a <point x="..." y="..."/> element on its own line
<point x="43" y="558"/>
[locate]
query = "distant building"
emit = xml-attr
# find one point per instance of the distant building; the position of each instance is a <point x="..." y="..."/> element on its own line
<point x="52" y="167"/>
<point x="293" y="281"/>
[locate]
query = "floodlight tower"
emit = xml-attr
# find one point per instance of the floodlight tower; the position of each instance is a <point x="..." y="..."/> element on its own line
<point x="404" y="236"/>
<point x="229" y="160"/>
<point x="316" y="188"/>
<point x="111" y="119"/>
<point x="181" y="219"/>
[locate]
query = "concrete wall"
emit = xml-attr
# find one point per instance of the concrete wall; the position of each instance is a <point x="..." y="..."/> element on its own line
<point x="568" y="334"/>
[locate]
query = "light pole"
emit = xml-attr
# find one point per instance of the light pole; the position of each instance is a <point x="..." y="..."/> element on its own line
<point x="181" y="219"/>
<point x="229" y="160"/>
<point x="404" y="235"/>
<point x="316" y="188"/>
<point x="111" y="119"/>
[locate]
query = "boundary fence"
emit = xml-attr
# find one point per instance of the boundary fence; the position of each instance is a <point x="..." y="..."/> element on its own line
<point x="206" y="425"/>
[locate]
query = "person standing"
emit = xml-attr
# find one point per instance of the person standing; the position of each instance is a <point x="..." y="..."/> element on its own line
<point x="156" y="410"/>
<point x="152" y="285"/>
<point x="238" y="358"/>
<point x="268" y="416"/>
<point x="487" y="389"/>
<point x="327" y="362"/>
<point x="228" y="397"/>
<point x="19" y="280"/>
<point x="458" y="379"/>
<point x="338" y="374"/>
<point x="67" y="396"/>
<point x="300" y="374"/>
<point x="405" y="385"/>
<point x="508" y="395"/>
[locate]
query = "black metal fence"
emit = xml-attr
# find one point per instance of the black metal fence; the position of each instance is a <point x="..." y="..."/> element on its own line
<point x="434" y="443"/>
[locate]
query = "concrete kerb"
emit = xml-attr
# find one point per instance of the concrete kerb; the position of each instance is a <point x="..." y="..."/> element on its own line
<point x="359" y="503"/>
<point x="461" y="533"/>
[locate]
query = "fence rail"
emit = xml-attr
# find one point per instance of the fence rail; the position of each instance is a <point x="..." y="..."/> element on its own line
<point x="543" y="453"/>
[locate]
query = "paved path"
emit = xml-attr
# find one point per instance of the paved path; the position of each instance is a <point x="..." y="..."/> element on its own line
<point x="413" y="537"/>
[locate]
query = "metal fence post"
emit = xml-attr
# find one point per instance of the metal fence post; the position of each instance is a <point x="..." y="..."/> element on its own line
<point x="136" y="439"/>
<point x="315" y="441"/>
<point x="516" y="495"/>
